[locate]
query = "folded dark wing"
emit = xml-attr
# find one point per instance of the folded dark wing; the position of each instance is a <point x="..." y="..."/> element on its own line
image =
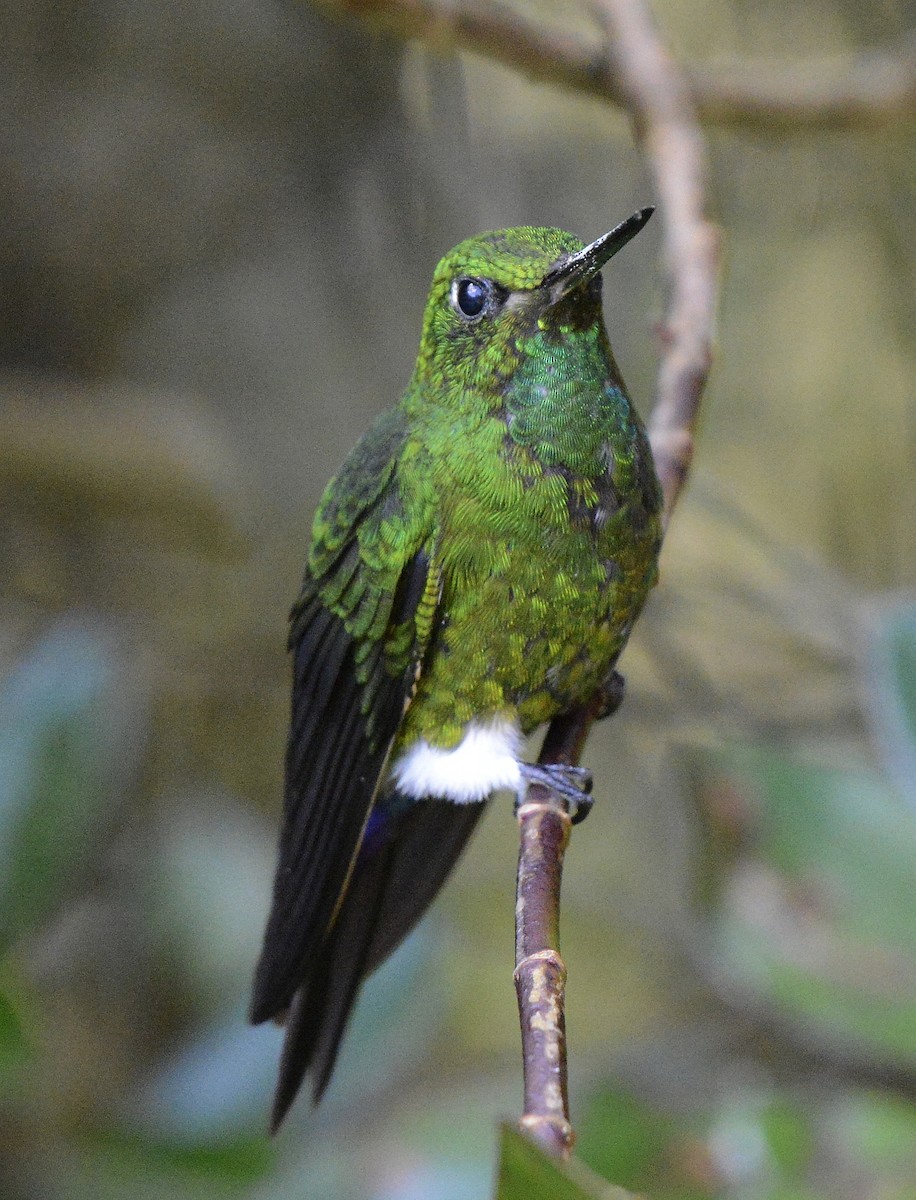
<point x="356" y="645"/>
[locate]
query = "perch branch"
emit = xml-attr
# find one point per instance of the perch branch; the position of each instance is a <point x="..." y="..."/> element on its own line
<point x="666" y="123"/>
<point x="868" y="89"/>
<point x="540" y="974"/>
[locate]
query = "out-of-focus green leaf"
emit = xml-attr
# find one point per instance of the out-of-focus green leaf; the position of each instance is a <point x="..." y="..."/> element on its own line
<point x="234" y="1160"/>
<point x="879" y="1130"/>
<point x="646" y="1150"/>
<point x="757" y="1142"/>
<point x="14" y="1045"/>
<point x="623" y="1139"/>
<point x="892" y="673"/>
<point x="111" y="1169"/>
<point x="527" y="1173"/>
<point x="68" y="734"/>
<point x="811" y="887"/>
<point x="787" y="1129"/>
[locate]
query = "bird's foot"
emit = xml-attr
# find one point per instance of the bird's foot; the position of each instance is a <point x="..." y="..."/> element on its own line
<point x="612" y="693"/>
<point x="572" y="784"/>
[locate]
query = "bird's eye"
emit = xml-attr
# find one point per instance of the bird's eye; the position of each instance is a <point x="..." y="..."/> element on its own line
<point x="470" y="296"/>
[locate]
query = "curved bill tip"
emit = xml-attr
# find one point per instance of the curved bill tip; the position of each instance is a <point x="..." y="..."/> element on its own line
<point x="578" y="268"/>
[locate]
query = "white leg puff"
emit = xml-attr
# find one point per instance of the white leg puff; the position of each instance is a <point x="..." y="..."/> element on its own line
<point x="486" y="759"/>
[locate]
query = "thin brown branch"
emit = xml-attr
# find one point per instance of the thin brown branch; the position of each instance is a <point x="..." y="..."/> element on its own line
<point x="540" y="974"/>
<point x="873" y="88"/>
<point x="869" y="89"/>
<point x="666" y="122"/>
<point x="669" y="131"/>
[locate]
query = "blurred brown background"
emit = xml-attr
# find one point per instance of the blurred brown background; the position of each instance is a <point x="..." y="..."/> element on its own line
<point x="218" y="219"/>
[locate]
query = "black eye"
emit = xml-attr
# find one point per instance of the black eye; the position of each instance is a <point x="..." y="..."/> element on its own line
<point x="471" y="296"/>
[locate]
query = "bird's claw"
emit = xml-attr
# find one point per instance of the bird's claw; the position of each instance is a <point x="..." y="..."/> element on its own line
<point x="572" y="784"/>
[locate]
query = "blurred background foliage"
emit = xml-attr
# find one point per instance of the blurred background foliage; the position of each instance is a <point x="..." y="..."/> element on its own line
<point x="219" y="222"/>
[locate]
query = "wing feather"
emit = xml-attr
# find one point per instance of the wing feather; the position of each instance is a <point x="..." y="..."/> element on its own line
<point x="355" y="656"/>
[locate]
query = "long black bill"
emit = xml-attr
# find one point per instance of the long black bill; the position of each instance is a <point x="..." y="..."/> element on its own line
<point x="586" y="263"/>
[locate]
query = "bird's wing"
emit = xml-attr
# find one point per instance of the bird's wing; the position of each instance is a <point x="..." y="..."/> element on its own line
<point x="359" y="630"/>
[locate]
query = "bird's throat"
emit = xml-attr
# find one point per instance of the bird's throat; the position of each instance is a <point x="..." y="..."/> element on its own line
<point x="565" y="403"/>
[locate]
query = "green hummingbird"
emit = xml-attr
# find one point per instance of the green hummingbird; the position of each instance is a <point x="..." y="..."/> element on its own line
<point x="475" y="569"/>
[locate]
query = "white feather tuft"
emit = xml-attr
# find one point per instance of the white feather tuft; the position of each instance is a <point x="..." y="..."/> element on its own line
<point x="486" y="759"/>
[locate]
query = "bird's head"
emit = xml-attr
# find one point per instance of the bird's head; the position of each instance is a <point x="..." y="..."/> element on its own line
<point x="494" y="291"/>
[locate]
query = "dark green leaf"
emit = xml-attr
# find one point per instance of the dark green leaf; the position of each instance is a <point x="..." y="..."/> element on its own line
<point x="14" y="1045"/>
<point x="237" y="1159"/>
<point x="624" y="1140"/>
<point x="527" y="1173"/>
<point x="787" y="1128"/>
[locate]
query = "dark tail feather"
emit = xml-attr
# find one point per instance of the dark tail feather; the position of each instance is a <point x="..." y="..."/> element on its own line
<point x="298" y="1046"/>
<point x="321" y="1007"/>
<point x="347" y="968"/>
<point x="391" y="887"/>
<point x="430" y="840"/>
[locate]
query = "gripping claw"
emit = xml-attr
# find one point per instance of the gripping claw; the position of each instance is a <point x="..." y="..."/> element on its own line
<point x="573" y="784"/>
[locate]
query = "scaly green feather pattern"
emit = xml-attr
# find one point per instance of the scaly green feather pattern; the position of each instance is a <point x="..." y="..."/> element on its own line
<point x="369" y="526"/>
<point x="517" y="462"/>
<point x="546" y="498"/>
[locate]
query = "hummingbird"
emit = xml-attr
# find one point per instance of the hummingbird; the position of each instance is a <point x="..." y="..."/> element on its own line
<point x="475" y="569"/>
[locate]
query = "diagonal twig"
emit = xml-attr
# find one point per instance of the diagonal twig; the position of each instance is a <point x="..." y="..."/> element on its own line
<point x="669" y="132"/>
